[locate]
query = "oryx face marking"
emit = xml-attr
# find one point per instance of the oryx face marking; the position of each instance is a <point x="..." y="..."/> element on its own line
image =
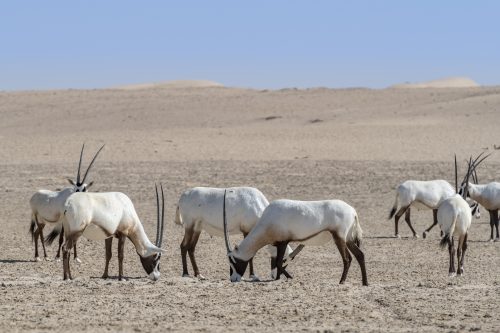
<point x="152" y="266"/>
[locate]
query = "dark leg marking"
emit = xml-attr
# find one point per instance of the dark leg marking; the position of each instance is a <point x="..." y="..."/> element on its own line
<point x="121" y="255"/>
<point x="344" y="253"/>
<point x="400" y="213"/>
<point x="184" y="248"/>
<point x="464" y="248"/>
<point x="251" y="273"/>
<point x="109" y="254"/>
<point x="281" y="249"/>
<point x="408" y="221"/>
<point x="191" y="248"/>
<point x="61" y="239"/>
<point x="435" y="221"/>
<point x="360" y="257"/>
<point x="451" y="250"/>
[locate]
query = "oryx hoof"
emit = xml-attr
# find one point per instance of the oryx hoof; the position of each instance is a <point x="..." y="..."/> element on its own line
<point x="38" y="259"/>
<point x="186" y="275"/>
<point x="491" y="240"/>
<point x="105" y="276"/>
<point x="497" y="239"/>
<point x="57" y="259"/>
<point x="77" y="260"/>
<point x="254" y="278"/>
<point x="47" y="259"/>
<point x="200" y="277"/>
<point x="397" y="236"/>
<point x="424" y="235"/>
<point x="452" y="274"/>
<point x="415" y="236"/>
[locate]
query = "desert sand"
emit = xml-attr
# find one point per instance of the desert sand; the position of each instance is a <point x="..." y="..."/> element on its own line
<point x="352" y="144"/>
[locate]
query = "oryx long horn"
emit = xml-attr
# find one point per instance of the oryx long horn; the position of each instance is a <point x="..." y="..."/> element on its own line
<point x="226" y="237"/>
<point x="162" y="215"/>
<point x="91" y="163"/>
<point x="157" y="215"/>
<point x="456" y="175"/>
<point x="79" y="166"/>
<point x="466" y="189"/>
<point x="475" y="164"/>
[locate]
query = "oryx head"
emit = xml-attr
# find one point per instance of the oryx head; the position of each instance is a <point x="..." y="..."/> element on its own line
<point x="237" y="266"/>
<point x="463" y="190"/>
<point x="79" y="184"/>
<point x="151" y="260"/>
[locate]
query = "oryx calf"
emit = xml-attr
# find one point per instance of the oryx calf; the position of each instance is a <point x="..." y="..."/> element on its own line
<point x="199" y="209"/>
<point x="99" y="216"/>
<point x="284" y="221"/>
<point x="47" y="208"/>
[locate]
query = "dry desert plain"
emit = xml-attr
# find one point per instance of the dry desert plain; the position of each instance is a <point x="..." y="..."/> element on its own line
<point x="352" y="144"/>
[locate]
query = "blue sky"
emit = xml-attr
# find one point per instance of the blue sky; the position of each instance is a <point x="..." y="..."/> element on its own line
<point x="259" y="44"/>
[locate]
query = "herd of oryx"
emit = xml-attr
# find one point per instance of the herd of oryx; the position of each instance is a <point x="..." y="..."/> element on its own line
<point x="74" y="211"/>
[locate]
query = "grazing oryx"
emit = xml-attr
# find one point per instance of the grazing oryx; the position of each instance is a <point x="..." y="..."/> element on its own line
<point x="454" y="218"/>
<point x="308" y="222"/>
<point x="99" y="216"/>
<point x="422" y="194"/>
<point x="488" y="195"/>
<point x="199" y="209"/>
<point x="47" y="208"/>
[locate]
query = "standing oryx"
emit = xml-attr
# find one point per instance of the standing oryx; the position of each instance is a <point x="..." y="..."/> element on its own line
<point x="488" y="195"/>
<point x="47" y="208"/>
<point x="426" y="194"/>
<point x="285" y="221"/>
<point x="199" y="209"/>
<point x="454" y="218"/>
<point x="99" y="216"/>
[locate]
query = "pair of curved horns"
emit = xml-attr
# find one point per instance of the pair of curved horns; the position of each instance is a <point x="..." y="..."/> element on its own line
<point x="159" y="222"/>
<point x="224" y="218"/>
<point x="78" y="182"/>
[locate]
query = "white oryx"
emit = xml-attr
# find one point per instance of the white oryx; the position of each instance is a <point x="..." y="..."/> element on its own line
<point x="454" y="218"/>
<point x="422" y="194"/>
<point x="199" y="209"/>
<point x="307" y="222"/>
<point x="47" y="208"/>
<point x="100" y="216"/>
<point x="488" y="195"/>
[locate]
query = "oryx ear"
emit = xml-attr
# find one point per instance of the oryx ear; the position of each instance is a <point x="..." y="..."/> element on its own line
<point x="153" y="250"/>
<point x="90" y="184"/>
<point x="235" y="247"/>
<point x="71" y="181"/>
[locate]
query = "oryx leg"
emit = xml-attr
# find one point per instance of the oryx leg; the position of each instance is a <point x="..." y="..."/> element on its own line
<point x="360" y="257"/>
<point x="344" y="253"/>
<point x="70" y="241"/>
<point x="188" y="233"/>
<point x="408" y="221"/>
<point x="191" y="248"/>
<point x="461" y="262"/>
<point x="281" y="249"/>
<point x="39" y="235"/>
<point x="76" y="255"/>
<point x="459" y="254"/>
<point x="61" y="240"/>
<point x="121" y="255"/>
<point x="435" y="221"/>
<point x="451" y="250"/>
<point x="493" y="223"/>
<point x="251" y="273"/>
<point x="109" y="254"/>
<point x="400" y="213"/>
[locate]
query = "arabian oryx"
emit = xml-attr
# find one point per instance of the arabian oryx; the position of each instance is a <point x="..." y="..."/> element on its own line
<point x="100" y="216"/>
<point x="488" y="195"/>
<point x="307" y="222"/>
<point x="47" y="208"/>
<point x="454" y="218"/>
<point x="199" y="209"/>
<point x="422" y="194"/>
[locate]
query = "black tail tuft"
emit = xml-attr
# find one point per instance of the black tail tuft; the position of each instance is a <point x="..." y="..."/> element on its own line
<point x="52" y="236"/>
<point x="357" y="241"/>
<point x="32" y="230"/>
<point x="391" y="214"/>
<point x="445" y="241"/>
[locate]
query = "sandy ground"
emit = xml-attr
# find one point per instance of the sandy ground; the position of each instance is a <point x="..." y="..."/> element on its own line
<point x="351" y="144"/>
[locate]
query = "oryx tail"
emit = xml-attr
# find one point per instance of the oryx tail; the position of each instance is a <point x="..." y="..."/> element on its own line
<point x="394" y="207"/>
<point x="448" y="233"/>
<point x="356" y="233"/>
<point x="178" y="217"/>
